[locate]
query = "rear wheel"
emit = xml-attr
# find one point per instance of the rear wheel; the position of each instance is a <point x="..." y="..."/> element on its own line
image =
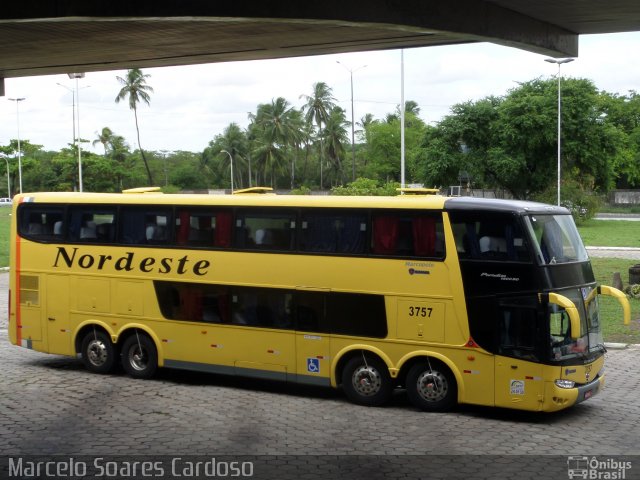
<point x="98" y="353"/>
<point x="431" y="386"/>
<point x="366" y="381"/>
<point x="139" y="356"/>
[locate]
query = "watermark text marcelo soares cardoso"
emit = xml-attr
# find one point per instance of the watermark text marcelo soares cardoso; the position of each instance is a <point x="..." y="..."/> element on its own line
<point x="105" y="468"/>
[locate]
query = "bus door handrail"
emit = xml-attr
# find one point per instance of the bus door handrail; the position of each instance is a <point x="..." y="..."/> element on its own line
<point x="570" y="308"/>
<point x="621" y="297"/>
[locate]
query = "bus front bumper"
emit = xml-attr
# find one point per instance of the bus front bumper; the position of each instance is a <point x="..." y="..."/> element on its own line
<point x="557" y="398"/>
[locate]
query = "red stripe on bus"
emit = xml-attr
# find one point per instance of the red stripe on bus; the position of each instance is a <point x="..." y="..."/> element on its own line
<point x="17" y="274"/>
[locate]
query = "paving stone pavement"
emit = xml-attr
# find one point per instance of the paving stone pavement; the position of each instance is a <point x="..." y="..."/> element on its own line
<point x="49" y="405"/>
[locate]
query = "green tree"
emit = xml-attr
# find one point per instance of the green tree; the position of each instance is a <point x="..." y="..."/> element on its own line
<point x="276" y="127"/>
<point x="317" y="109"/>
<point x="134" y="86"/>
<point x="104" y="138"/>
<point x="234" y="140"/>
<point x="337" y="137"/>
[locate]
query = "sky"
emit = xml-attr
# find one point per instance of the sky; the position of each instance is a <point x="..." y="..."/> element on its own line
<point x="190" y="105"/>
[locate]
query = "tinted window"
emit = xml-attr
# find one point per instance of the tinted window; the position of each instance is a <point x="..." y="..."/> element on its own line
<point x="265" y="230"/>
<point x="203" y="228"/>
<point x="92" y="223"/>
<point x="357" y="314"/>
<point x="518" y="328"/>
<point x="145" y="226"/>
<point x="193" y="302"/>
<point x="41" y="223"/>
<point x="333" y="232"/>
<point x="407" y="235"/>
<point x="261" y="307"/>
<point x="320" y="312"/>
<point x="489" y="237"/>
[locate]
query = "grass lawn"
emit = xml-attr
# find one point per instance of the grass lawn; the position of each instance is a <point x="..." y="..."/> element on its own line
<point x="5" y="222"/>
<point x="594" y="232"/>
<point x="610" y="310"/>
<point x="610" y="233"/>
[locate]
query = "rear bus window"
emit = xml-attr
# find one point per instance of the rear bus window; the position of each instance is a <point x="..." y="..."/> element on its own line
<point x="41" y="223"/>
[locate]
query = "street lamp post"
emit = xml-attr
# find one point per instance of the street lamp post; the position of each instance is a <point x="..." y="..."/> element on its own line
<point x="79" y="147"/>
<point x="559" y="62"/>
<point x="73" y="109"/>
<point x="353" y="143"/>
<point x="231" y="164"/>
<point x="18" y="100"/>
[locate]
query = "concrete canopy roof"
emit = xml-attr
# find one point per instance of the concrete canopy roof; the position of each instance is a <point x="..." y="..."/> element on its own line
<point x="63" y="36"/>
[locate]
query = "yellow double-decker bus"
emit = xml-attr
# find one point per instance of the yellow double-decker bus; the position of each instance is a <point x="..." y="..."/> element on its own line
<point x="455" y="300"/>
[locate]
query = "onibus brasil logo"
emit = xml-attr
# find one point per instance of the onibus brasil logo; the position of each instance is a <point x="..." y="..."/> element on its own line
<point x="595" y="468"/>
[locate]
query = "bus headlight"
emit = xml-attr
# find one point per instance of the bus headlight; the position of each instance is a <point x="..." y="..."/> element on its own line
<point x="565" y="383"/>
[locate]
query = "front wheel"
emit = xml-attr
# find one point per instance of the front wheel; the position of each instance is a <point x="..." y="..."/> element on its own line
<point x="366" y="381"/>
<point x="432" y="387"/>
<point x="98" y="353"/>
<point x="139" y="356"/>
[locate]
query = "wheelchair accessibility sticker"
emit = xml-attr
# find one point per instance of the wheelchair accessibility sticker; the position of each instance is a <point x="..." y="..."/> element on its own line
<point x="313" y="365"/>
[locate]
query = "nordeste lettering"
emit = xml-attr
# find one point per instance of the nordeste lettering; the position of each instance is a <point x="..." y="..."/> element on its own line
<point x="130" y="262"/>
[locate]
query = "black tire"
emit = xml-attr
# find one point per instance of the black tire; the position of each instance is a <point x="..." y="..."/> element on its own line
<point x="98" y="352"/>
<point x="139" y="356"/>
<point x="432" y="387"/>
<point x="366" y="381"/>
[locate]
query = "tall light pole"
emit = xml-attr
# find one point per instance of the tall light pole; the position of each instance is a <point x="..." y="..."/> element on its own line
<point x="79" y="147"/>
<point x="402" y="112"/>
<point x="559" y="62"/>
<point x="353" y="142"/>
<point x="230" y="163"/>
<point x="73" y="109"/>
<point x="18" y="100"/>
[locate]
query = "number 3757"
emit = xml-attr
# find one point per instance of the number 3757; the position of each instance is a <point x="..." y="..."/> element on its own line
<point x="424" y="312"/>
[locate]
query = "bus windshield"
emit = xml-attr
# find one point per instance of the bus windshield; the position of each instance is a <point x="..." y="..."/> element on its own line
<point x="563" y="347"/>
<point x="556" y="239"/>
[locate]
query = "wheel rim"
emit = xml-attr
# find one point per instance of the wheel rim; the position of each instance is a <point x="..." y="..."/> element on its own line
<point x="138" y="358"/>
<point x="366" y="381"/>
<point x="432" y="386"/>
<point x="97" y="352"/>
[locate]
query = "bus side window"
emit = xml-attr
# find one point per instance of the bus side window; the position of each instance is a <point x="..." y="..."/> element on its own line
<point x="518" y="331"/>
<point x="333" y="232"/>
<point x="204" y="228"/>
<point x="92" y="224"/>
<point x="266" y="230"/>
<point x="40" y="223"/>
<point x="398" y="234"/>
<point x="145" y="226"/>
<point x="193" y="302"/>
<point x="262" y="307"/>
<point x="492" y="238"/>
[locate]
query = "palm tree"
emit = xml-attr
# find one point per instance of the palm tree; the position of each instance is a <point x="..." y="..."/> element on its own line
<point x="337" y="137"/>
<point x="234" y="141"/>
<point x="317" y="108"/>
<point x="104" y="137"/>
<point x="277" y="128"/>
<point x="135" y="87"/>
